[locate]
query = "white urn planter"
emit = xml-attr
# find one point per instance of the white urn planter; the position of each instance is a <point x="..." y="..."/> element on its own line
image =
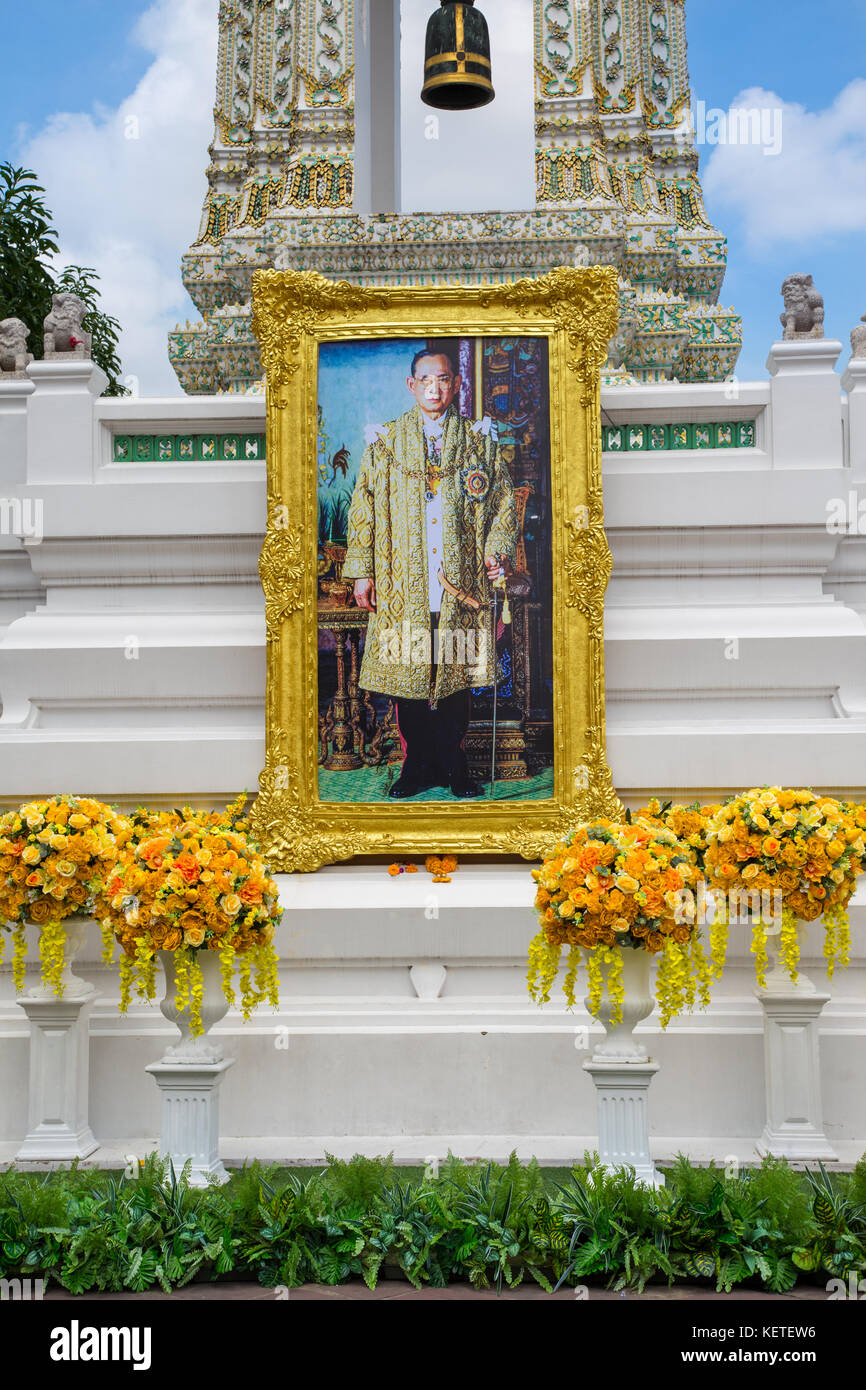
<point x="58" y="1125"/>
<point x="213" y="1010"/>
<point x="621" y="1072"/>
<point x="189" y="1076"/>
<point x="619" y="1043"/>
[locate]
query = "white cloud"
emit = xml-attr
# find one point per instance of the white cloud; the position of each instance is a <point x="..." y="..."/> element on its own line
<point x="814" y="186"/>
<point x="131" y="206"/>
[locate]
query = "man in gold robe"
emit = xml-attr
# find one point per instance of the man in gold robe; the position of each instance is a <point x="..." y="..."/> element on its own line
<point x="432" y="526"/>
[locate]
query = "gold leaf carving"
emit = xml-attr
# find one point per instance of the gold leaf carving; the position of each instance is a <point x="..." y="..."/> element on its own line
<point x="282" y="575"/>
<point x="287" y="306"/>
<point x="588" y="563"/>
<point x="583" y="302"/>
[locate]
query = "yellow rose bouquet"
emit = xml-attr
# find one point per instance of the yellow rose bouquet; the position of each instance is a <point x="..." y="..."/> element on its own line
<point x="786" y="854"/>
<point x="688" y="823"/>
<point x="55" y="858"/>
<point x="610" y="888"/>
<point x="191" y="887"/>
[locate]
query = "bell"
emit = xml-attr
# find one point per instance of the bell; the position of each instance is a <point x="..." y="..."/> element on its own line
<point x="457" y="58"/>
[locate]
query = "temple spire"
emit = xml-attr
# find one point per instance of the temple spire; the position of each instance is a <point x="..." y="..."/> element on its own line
<point x="304" y="173"/>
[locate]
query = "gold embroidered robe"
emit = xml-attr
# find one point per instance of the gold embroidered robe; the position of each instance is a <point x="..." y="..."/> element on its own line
<point x="387" y="542"/>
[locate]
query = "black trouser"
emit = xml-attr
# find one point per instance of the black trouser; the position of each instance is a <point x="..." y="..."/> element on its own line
<point x="433" y="738"/>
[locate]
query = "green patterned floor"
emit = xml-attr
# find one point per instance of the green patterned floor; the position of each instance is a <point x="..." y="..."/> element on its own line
<point x="372" y="783"/>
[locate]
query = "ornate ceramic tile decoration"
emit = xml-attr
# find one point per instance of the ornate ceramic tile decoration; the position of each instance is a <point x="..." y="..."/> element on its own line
<point x="727" y="434"/>
<point x="616" y="173"/>
<point x="187" y="448"/>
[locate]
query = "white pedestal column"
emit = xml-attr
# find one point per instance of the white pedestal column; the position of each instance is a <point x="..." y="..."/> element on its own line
<point x="622" y="1098"/>
<point x="189" y="1077"/>
<point x="795" y="1124"/>
<point x="190" y="1116"/>
<point x="805" y="403"/>
<point x="61" y="430"/>
<point x="854" y="383"/>
<point x="57" y="1126"/>
<point x="621" y="1072"/>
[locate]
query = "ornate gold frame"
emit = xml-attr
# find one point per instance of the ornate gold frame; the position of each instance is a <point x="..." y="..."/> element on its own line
<point x="293" y="312"/>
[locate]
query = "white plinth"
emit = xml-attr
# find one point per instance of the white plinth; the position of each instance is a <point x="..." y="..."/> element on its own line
<point x="190" y="1116"/>
<point x="57" y="1127"/>
<point x="795" y="1124"/>
<point x="622" y="1093"/>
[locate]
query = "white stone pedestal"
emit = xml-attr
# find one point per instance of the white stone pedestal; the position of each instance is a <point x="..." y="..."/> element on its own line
<point x="795" y="1124"/>
<point x="805" y="399"/>
<point x="190" y="1116"/>
<point x="622" y="1092"/>
<point x="57" y="1125"/>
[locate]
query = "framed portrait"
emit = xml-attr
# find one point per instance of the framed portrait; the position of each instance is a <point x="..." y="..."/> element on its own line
<point x="434" y="565"/>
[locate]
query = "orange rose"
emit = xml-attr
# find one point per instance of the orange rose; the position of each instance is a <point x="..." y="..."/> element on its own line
<point x="191" y="920"/>
<point x="186" y="865"/>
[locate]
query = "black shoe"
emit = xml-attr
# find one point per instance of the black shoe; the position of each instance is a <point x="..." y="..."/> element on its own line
<point x="465" y="787"/>
<point x="408" y="786"/>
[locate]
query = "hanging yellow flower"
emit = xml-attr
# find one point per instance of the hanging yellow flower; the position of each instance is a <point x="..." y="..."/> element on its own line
<point x="55" y="855"/>
<point x="189" y="882"/>
<point x="783" y="855"/>
<point x="609" y="888"/>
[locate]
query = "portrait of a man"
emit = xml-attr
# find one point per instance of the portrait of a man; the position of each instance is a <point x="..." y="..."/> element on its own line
<point x="434" y="597"/>
<point x="432" y="527"/>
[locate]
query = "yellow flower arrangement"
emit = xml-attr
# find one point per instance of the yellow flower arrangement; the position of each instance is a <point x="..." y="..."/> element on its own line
<point x="189" y="886"/>
<point x="688" y="823"/>
<point x="609" y="888"/>
<point x="55" y="857"/>
<point x="807" y="851"/>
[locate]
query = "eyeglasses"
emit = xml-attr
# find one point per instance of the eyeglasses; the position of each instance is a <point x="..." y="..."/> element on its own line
<point x="429" y="380"/>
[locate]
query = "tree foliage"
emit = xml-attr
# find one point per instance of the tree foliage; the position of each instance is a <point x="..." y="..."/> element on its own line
<point x="28" y="240"/>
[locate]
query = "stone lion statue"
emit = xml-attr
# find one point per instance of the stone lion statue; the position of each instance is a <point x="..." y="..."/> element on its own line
<point x="804" y="308"/>
<point x="63" y="330"/>
<point x="14" y="356"/>
<point x="858" y="338"/>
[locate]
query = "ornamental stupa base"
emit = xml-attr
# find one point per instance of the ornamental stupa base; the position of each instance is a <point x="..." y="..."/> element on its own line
<point x="622" y="1098"/>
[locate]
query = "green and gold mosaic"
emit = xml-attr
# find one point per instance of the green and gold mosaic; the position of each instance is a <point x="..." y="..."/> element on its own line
<point x="187" y="448"/>
<point x="632" y="439"/>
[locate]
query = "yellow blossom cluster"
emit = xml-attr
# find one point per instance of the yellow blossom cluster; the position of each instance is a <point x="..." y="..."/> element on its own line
<point x="688" y="823"/>
<point x="191" y="885"/>
<point x="809" y="849"/>
<point x="612" y="885"/>
<point x="55" y="857"/>
<point x="181" y="880"/>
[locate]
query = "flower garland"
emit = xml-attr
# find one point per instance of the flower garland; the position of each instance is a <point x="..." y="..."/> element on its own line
<point x="785" y="855"/>
<point x="194" y="885"/>
<point x="55" y="857"/>
<point x="610" y="886"/>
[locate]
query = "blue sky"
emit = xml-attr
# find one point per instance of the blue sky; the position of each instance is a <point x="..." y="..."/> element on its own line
<point x="79" y="69"/>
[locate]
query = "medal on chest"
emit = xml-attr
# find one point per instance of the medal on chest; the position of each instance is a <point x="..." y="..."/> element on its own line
<point x="475" y="482"/>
